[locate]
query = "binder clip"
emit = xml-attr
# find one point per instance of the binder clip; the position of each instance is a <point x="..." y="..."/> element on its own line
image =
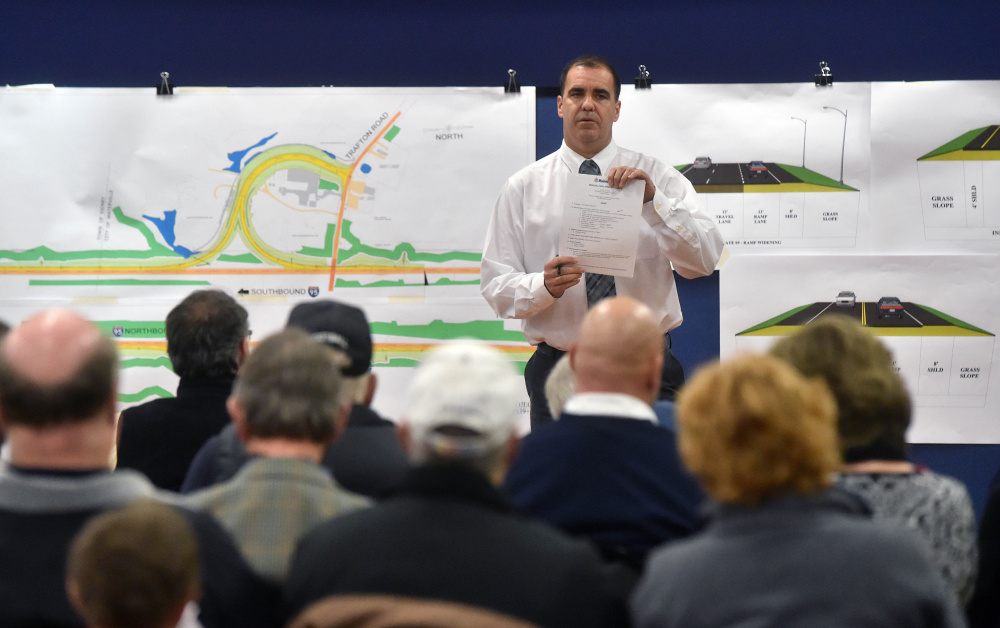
<point x="825" y="76"/>
<point x="511" y="86"/>
<point x="642" y="81"/>
<point x="164" y="88"/>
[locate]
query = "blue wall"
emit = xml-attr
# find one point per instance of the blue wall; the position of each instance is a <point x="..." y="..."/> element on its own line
<point x="112" y="43"/>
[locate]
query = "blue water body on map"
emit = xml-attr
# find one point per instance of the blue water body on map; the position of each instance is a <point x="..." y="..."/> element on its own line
<point x="365" y="168"/>
<point x="332" y="156"/>
<point x="237" y="155"/>
<point x="166" y="227"/>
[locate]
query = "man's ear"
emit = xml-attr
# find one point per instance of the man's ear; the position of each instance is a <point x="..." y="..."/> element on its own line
<point x="243" y="351"/>
<point x="73" y="594"/>
<point x="403" y="434"/>
<point x="344" y="414"/>
<point x="559" y="106"/>
<point x="510" y="449"/>
<point x="238" y="415"/>
<point x="618" y="110"/>
<point x="370" y="389"/>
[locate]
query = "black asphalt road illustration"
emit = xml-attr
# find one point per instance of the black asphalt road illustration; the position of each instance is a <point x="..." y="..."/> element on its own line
<point x="913" y="315"/>
<point x="987" y="140"/>
<point x="738" y="174"/>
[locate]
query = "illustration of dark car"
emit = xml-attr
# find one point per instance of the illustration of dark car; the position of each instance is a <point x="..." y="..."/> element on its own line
<point x="756" y="169"/>
<point x="846" y="298"/>
<point x="889" y="307"/>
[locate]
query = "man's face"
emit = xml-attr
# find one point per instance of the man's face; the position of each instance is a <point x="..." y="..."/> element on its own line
<point x="588" y="109"/>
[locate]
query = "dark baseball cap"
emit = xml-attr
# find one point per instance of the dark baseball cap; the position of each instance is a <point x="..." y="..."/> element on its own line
<point x="339" y="325"/>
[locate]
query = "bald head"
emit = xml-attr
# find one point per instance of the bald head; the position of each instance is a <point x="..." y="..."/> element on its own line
<point x="619" y="349"/>
<point x="56" y="367"/>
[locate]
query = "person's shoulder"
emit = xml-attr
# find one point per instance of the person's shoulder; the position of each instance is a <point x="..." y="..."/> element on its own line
<point x="545" y="165"/>
<point x="147" y="411"/>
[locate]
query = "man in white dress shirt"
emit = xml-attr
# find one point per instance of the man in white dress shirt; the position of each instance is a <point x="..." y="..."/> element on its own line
<point x="524" y="276"/>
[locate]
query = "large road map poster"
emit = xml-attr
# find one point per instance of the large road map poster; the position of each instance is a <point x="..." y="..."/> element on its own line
<point x="118" y="203"/>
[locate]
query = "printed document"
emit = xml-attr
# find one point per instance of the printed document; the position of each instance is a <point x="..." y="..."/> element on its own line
<point x="601" y="224"/>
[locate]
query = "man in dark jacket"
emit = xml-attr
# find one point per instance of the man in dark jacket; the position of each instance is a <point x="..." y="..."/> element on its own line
<point x="447" y="532"/>
<point x="207" y="340"/>
<point x="58" y="384"/>
<point x="366" y="458"/>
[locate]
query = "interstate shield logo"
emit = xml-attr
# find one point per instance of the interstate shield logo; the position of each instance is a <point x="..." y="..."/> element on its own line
<point x="314" y="291"/>
<point x="118" y="331"/>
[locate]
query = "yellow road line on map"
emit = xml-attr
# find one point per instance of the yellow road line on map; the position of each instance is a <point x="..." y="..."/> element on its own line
<point x="990" y="137"/>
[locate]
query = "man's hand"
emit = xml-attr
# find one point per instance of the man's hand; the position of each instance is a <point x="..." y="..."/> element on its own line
<point x="620" y="175"/>
<point x="562" y="273"/>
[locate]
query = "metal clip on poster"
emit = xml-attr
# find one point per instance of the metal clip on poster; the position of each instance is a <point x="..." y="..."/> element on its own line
<point x="511" y="86"/>
<point x="164" y="88"/>
<point x="825" y="76"/>
<point x="642" y="81"/>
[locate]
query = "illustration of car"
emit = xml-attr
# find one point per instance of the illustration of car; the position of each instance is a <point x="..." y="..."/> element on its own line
<point x="757" y="167"/>
<point x="889" y="307"/>
<point x="702" y="162"/>
<point x="845" y="298"/>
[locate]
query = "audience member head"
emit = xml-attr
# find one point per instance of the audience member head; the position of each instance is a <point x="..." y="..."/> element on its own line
<point x="461" y="409"/>
<point x="134" y="567"/>
<point x="590" y="61"/>
<point x="752" y="428"/>
<point x="289" y="388"/>
<point x="873" y="407"/>
<point x="343" y="328"/>
<point x="207" y="335"/>
<point x="560" y="386"/>
<point x="619" y="349"/>
<point x="57" y="368"/>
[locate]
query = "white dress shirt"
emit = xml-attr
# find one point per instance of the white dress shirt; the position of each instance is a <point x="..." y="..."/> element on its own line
<point x="524" y="234"/>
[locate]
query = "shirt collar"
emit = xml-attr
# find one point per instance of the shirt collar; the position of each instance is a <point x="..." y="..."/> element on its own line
<point x="610" y="404"/>
<point x="572" y="159"/>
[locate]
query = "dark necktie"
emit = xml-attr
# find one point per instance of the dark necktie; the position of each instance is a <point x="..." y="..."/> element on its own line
<point x="598" y="286"/>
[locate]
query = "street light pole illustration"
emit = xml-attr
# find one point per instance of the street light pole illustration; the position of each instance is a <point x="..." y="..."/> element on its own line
<point x="805" y="127"/>
<point x="843" y="143"/>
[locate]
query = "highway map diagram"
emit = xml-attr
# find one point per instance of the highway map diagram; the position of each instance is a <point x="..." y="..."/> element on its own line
<point x="119" y="202"/>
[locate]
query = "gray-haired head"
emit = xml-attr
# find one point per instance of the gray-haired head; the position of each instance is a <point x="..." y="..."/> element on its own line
<point x="290" y="387"/>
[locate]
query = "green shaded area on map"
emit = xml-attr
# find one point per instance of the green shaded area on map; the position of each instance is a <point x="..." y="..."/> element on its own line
<point x="39" y="253"/>
<point x="388" y="283"/>
<point x="118" y="282"/>
<point x="956" y="322"/>
<point x="815" y="178"/>
<point x="956" y="144"/>
<point x="145" y="393"/>
<point x="245" y="258"/>
<point x="130" y="363"/>
<point x="326" y="184"/>
<point x="391" y="133"/>
<point x="403" y="254"/>
<point x="439" y="330"/>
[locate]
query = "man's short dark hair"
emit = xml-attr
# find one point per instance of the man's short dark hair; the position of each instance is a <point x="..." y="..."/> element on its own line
<point x="204" y="332"/>
<point x="78" y="398"/>
<point x="590" y="61"/>
<point x="290" y="387"/>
